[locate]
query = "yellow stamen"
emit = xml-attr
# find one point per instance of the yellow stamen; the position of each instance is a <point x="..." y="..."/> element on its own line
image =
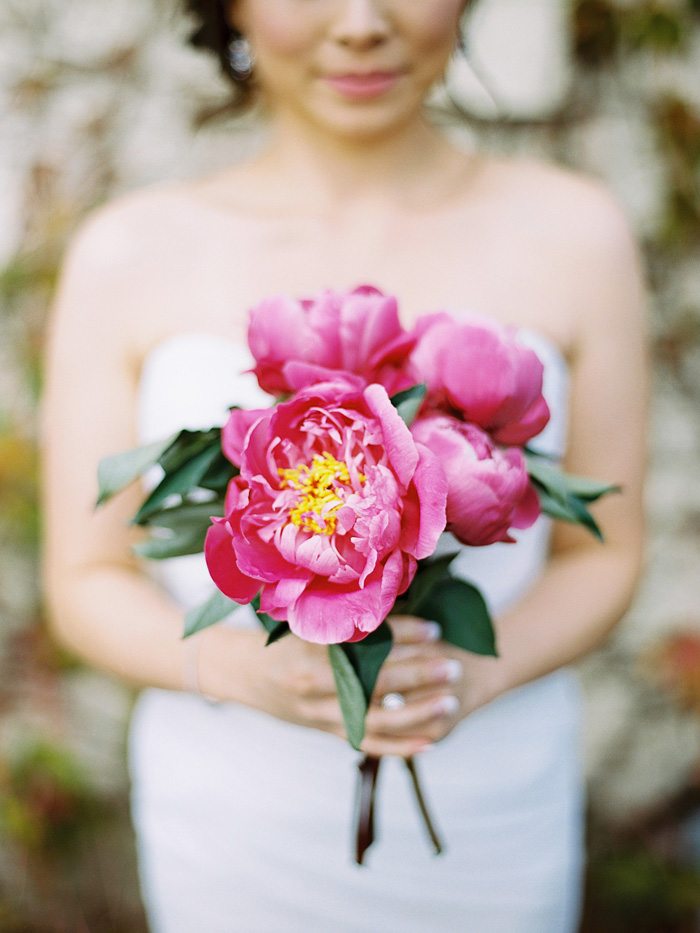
<point x="318" y="484"/>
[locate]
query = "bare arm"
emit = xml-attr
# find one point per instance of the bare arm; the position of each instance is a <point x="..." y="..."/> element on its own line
<point x="586" y="586"/>
<point x="100" y="603"/>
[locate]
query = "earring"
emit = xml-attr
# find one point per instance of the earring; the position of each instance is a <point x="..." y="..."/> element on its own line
<point x="240" y="57"/>
<point x="461" y="44"/>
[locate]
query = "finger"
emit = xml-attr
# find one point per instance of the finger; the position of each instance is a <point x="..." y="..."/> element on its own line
<point x="323" y="714"/>
<point x="418" y="675"/>
<point x="413" y="717"/>
<point x="313" y="682"/>
<point x="424" y="650"/>
<point x="410" y="630"/>
<point x="382" y="745"/>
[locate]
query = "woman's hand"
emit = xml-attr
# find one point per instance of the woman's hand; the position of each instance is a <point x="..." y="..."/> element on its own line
<point x="293" y="680"/>
<point x="290" y="679"/>
<point x="440" y="684"/>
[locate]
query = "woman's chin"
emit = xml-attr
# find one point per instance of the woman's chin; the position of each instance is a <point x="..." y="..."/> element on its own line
<point x="362" y="119"/>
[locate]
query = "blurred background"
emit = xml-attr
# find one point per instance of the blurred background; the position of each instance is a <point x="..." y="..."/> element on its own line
<point x="96" y="99"/>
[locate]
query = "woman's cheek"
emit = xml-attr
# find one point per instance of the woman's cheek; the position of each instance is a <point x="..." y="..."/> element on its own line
<point x="433" y="28"/>
<point x="279" y="29"/>
<point x="436" y="21"/>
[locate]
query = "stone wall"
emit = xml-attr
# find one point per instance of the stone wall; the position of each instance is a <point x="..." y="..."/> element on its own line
<point x="97" y="99"/>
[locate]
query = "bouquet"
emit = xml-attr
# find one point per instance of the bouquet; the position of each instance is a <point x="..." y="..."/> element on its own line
<point x="324" y="511"/>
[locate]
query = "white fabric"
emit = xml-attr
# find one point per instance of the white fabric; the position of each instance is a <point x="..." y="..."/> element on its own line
<point x="243" y="821"/>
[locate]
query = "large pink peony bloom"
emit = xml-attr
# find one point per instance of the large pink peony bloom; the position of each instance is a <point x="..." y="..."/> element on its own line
<point x="334" y="505"/>
<point x="489" y="491"/>
<point x="481" y="370"/>
<point x="298" y="342"/>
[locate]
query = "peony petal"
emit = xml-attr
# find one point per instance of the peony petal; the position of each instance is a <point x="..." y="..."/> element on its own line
<point x="234" y="432"/>
<point x="391" y="580"/>
<point x="276" y="600"/>
<point x="315" y="554"/>
<point x="528" y="426"/>
<point x="299" y="375"/>
<point x="221" y="563"/>
<point x="400" y="447"/>
<point x="326" y="615"/>
<point x="259" y="559"/>
<point x="528" y="509"/>
<point x="424" y="517"/>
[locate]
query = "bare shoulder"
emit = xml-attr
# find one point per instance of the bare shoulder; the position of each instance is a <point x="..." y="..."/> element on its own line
<point x="562" y="199"/>
<point x="583" y="232"/>
<point x="130" y="229"/>
<point x="131" y="262"/>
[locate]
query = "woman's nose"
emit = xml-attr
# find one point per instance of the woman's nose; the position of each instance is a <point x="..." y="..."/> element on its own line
<point x="361" y="24"/>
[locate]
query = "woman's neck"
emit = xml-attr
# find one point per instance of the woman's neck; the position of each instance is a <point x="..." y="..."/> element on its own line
<point x="413" y="167"/>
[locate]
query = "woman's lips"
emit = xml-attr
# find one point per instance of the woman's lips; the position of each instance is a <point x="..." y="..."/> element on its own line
<point x="361" y="87"/>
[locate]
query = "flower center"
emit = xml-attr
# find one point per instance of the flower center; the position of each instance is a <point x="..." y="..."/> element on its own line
<point x="318" y="485"/>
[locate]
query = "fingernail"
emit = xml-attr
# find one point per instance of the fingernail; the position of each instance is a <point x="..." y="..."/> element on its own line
<point x="433" y="631"/>
<point x="451" y="670"/>
<point x="448" y="705"/>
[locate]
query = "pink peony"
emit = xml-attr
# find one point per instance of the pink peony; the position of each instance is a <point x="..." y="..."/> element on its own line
<point x="489" y="491"/>
<point x="479" y="369"/>
<point x="299" y="342"/>
<point x="334" y="505"/>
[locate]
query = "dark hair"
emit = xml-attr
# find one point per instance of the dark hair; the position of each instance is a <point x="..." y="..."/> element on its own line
<point x="214" y="32"/>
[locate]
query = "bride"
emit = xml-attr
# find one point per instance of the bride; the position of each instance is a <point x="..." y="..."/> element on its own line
<point x="241" y="782"/>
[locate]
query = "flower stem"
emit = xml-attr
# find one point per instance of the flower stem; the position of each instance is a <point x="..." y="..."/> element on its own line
<point x="422" y="806"/>
<point x="364" y="832"/>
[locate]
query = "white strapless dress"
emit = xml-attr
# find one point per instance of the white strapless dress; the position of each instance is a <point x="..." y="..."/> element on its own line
<point x="243" y="821"/>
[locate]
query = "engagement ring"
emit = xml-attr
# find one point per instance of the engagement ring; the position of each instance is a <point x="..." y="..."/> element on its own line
<point x="393" y="701"/>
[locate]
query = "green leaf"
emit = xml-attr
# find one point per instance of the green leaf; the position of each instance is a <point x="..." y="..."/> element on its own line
<point x="562" y="485"/>
<point x="368" y="655"/>
<point x="173" y="544"/>
<point x="179" y="482"/>
<point x="275" y="630"/>
<point x="187" y="445"/>
<point x="571" y="510"/>
<point x="588" y="489"/>
<point x="430" y="573"/>
<point x="408" y="402"/>
<point x="553" y="507"/>
<point x="219" y="474"/>
<point x="119" y="470"/>
<point x="564" y="497"/>
<point x="463" y="615"/>
<point x="279" y="630"/>
<point x="350" y="694"/>
<point x="187" y="515"/>
<point x="216" y="608"/>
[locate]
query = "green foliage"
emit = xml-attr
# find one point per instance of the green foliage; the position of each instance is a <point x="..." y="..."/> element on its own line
<point x="604" y="30"/>
<point x="356" y="668"/>
<point x="45" y="797"/>
<point x="275" y="630"/>
<point x="213" y="610"/>
<point x="655" y="28"/>
<point x="116" y="472"/>
<point x="408" y="402"/>
<point x="19" y="517"/>
<point x="350" y="695"/>
<point x="367" y="657"/>
<point x="566" y="497"/>
<point x="457" y="606"/>
<point x="25" y="273"/>
<point x="633" y="889"/>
